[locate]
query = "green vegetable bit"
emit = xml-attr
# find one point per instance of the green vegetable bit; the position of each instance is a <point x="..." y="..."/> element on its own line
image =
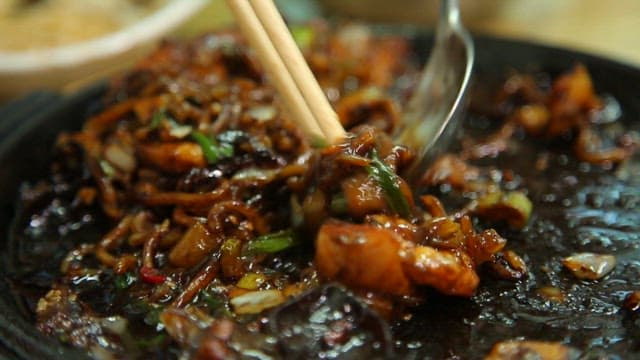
<point x="212" y="300"/>
<point x="212" y="151"/>
<point x="122" y="282"/>
<point x="157" y="118"/>
<point x="303" y="36"/>
<point x="108" y="169"/>
<point x="390" y="184"/>
<point x="271" y="243"/>
<point x="215" y="302"/>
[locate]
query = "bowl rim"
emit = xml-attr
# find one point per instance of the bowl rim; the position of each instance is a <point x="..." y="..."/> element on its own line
<point x="146" y="30"/>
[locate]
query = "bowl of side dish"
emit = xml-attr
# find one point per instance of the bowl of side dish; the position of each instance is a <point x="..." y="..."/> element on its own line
<point x="63" y="44"/>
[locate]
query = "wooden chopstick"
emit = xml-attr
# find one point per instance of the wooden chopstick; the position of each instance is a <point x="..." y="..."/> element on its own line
<point x="267" y="33"/>
<point x="286" y="46"/>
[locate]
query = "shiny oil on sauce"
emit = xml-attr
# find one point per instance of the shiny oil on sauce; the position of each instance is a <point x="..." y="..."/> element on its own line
<point x="578" y="207"/>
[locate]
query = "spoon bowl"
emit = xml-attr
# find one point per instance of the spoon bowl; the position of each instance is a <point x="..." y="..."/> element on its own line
<point x="433" y="114"/>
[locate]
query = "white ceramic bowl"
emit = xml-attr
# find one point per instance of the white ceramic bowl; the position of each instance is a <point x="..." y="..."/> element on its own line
<point x="70" y="66"/>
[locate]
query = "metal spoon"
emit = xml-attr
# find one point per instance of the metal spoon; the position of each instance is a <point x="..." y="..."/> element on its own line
<point x="434" y="111"/>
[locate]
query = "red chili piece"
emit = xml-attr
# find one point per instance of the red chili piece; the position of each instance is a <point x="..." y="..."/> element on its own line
<point x="151" y="276"/>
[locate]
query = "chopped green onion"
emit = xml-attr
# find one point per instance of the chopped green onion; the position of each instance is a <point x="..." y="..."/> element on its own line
<point x="303" y="36"/>
<point x="390" y="184"/>
<point x="122" y="282"/>
<point x="215" y="302"/>
<point x="271" y="243"/>
<point x="157" y="119"/>
<point x="212" y="300"/>
<point x="212" y="151"/>
<point x="107" y="168"/>
<point x="318" y="142"/>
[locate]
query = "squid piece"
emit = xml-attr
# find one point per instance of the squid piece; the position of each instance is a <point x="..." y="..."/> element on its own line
<point x="449" y="272"/>
<point x="534" y="118"/>
<point x="368" y="106"/>
<point x="377" y="259"/>
<point x="588" y="147"/>
<point x="362" y="256"/>
<point x="571" y="101"/>
<point x="177" y="157"/>
<point x="363" y="196"/>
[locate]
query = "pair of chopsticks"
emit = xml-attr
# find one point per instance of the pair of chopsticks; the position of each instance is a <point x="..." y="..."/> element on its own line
<point x="267" y="33"/>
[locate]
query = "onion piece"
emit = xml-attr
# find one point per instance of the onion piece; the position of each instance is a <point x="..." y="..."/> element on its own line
<point x="513" y="206"/>
<point x="589" y="266"/>
<point x="180" y="131"/>
<point x="254" y="302"/>
<point x="120" y="157"/>
<point x="262" y="113"/>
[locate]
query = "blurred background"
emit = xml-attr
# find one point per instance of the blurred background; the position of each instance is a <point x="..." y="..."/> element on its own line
<point x="609" y="28"/>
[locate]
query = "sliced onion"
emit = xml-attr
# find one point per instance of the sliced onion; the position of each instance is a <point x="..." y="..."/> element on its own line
<point x="589" y="266"/>
<point x="180" y="131"/>
<point x="255" y="301"/>
<point x="255" y="174"/>
<point x="119" y="157"/>
<point x="262" y="113"/>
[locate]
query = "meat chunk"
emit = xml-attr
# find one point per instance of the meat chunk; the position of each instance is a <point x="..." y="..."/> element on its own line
<point x="450" y="273"/>
<point x="362" y="256"/>
<point x="374" y="258"/>
<point x="512" y="350"/>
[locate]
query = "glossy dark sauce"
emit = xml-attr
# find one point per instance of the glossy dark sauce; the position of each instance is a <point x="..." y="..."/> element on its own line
<point x="577" y="208"/>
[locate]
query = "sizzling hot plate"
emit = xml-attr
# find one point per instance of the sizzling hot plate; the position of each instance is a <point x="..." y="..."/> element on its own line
<point x="596" y="213"/>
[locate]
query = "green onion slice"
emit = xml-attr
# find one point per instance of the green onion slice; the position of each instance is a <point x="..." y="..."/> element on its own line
<point x="271" y="243"/>
<point x="212" y="150"/>
<point x="390" y="184"/>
